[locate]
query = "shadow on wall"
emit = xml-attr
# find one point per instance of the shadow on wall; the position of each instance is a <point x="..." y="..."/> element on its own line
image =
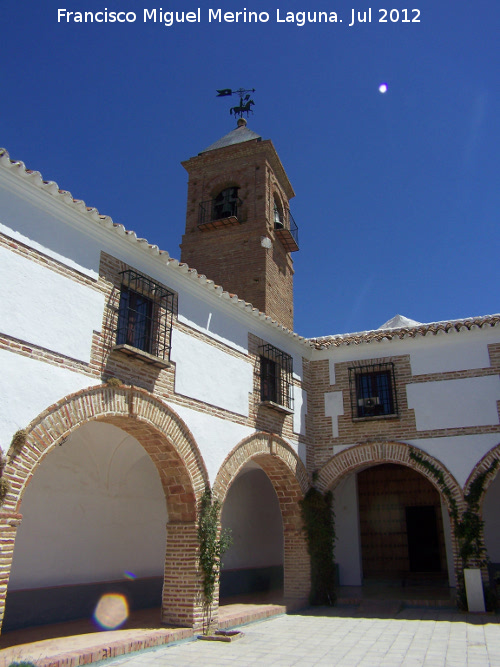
<point x="254" y="562"/>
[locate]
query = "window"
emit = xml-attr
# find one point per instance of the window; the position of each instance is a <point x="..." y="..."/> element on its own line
<point x="373" y="391"/>
<point x="276" y="375"/>
<point x="225" y="205"/>
<point x="144" y="317"/>
<point x="135" y="320"/>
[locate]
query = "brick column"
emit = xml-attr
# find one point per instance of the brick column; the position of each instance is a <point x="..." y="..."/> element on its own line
<point x="296" y="565"/>
<point x="9" y="521"/>
<point x="181" y="600"/>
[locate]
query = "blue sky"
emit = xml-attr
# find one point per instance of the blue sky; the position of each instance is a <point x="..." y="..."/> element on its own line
<point x="397" y="194"/>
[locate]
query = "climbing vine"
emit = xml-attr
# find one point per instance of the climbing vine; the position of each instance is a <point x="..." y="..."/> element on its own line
<point x="319" y="526"/>
<point x="4" y="483"/>
<point x="468" y="527"/>
<point x="440" y="479"/>
<point x="213" y="544"/>
<point x="16" y="444"/>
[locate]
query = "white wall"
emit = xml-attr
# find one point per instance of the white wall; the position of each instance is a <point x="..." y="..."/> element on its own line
<point x="28" y="387"/>
<point x="450" y="352"/>
<point x="94" y="510"/>
<point x="334" y="408"/>
<point x="455" y="403"/>
<point x="27" y="219"/>
<point x="299" y="410"/>
<point x="251" y="510"/>
<point x="46" y="309"/>
<point x="203" y="315"/>
<point x="348" y="542"/>
<point x="459" y="453"/>
<point x="215" y="437"/>
<point x="208" y="374"/>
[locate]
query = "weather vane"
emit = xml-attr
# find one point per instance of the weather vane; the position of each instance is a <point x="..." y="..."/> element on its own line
<point x="245" y="102"/>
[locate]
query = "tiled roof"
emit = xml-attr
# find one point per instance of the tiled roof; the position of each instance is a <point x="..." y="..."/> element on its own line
<point x="237" y="136"/>
<point x="380" y="335"/>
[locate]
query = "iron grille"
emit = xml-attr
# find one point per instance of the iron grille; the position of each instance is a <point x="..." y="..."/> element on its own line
<point x="276" y="376"/>
<point x="145" y="315"/>
<point x="373" y="390"/>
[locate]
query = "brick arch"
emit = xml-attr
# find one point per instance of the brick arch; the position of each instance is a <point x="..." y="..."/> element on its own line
<point x="157" y="428"/>
<point x="359" y="457"/>
<point x="288" y="476"/>
<point x="480" y="468"/>
<point x="218" y="184"/>
<point x="173" y="450"/>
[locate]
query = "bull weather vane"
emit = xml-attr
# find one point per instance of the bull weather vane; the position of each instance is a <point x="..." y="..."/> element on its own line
<point x="245" y="102"/>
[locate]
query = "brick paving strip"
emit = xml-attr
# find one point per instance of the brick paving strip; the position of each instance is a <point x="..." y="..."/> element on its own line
<point x="89" y="647"/>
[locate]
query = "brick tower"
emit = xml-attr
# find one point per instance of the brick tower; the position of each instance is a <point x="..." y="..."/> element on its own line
<point x="239" y="231"/>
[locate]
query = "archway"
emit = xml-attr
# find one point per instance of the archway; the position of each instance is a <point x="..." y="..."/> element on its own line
<point x="254" y="561"/>
<point x="180" y="473"/>
<point x="269" y="454"/>
<point x="387" y="495"/>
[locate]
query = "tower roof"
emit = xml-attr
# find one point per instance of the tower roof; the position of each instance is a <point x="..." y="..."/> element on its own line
<point x="237" y="136"/>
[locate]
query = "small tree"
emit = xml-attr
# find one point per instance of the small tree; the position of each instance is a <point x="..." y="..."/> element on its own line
<point x="213" y="544"/>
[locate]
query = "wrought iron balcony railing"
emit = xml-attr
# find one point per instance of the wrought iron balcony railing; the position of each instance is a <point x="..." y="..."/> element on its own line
<point x="214" y="213"/>
<point x="287" y="231"/>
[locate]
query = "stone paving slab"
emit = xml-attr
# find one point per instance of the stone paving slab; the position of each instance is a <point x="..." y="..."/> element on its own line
<point x="340" y="637"/>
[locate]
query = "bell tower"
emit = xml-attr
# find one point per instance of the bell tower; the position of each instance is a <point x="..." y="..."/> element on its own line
<point x="239" y="230"/>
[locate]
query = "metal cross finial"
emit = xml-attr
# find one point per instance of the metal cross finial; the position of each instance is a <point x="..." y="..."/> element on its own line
<point x="245" y="102"/>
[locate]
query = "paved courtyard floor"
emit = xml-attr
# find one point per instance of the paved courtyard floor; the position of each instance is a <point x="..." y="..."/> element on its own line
<point x="343" y="637"/>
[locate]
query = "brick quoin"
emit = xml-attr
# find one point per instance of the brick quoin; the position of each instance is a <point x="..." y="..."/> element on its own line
<point x="290" y="481"/>
<point x="175" y="454"/>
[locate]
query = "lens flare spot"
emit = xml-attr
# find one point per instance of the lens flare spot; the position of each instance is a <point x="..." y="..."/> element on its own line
<point x="111" y="611"/>
<point x="383" y="88"/>
<point x="129" y="575"/>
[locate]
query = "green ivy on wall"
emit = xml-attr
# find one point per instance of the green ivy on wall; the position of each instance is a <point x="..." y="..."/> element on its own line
<point x="319" y="526"/>
<point x="468" y="527"/>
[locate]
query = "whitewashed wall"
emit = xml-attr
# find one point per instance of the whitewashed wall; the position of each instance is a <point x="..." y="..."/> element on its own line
<point x="215" y="437"/>
<point x="47" y="309"/>
<point x="455" y="403"/>
<point x="251" y="511"/>
<point x="28" y="387"/>
<point x="210" y="375"/>
<point x="40" y="222"/>
<point x="94" y="510"/>
<point x="347" y="530"/>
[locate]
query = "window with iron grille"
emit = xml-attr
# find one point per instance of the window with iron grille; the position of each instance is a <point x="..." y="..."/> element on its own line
<point x="144" y="316"/>
<point x="276" y="376"/>
<point x="373" y="390"/>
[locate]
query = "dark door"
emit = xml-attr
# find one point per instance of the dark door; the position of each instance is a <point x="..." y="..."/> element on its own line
<point x="423" y="541"/>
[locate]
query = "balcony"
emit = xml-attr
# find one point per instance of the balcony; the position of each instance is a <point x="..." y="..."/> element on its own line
<point x="287" y="232"/>
<point x="214" y="214"/>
